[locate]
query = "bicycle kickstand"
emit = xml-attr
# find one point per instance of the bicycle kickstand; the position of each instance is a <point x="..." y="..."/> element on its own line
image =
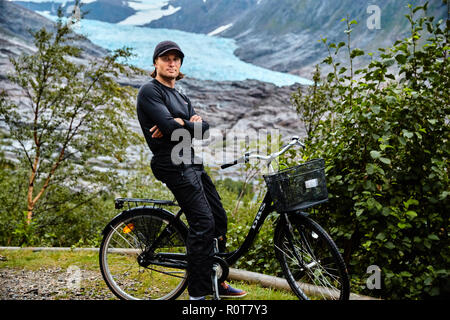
<point x="214" y="282"/>
<point x="215" y="285"/>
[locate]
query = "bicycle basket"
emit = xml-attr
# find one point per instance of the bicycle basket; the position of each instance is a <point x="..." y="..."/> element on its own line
<point x="298" y="187"/>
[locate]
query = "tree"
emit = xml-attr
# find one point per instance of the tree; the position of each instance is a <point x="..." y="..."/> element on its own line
<point x="75" y="112"/>
<point x="312" y="105"/>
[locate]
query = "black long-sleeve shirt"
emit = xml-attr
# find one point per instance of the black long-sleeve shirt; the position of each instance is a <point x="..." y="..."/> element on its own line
<point x="158" y="105"/>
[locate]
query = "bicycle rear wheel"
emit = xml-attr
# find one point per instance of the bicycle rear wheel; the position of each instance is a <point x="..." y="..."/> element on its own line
<point x="310" y="260"/>
<point x="122" y="250"/>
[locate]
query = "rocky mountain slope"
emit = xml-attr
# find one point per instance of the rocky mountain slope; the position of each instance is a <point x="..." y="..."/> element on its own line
<point x="279" y="35"/>
<point x="232" y="108"/>
<point x="284" y="35"/>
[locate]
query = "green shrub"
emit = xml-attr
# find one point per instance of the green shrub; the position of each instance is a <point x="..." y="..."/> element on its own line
<point x="385" y="139"/>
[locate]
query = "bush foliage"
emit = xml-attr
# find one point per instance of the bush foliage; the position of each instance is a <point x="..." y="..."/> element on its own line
<point x="384" y="133"/>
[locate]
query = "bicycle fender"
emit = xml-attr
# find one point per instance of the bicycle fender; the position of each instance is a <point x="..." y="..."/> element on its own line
<point x="145" y="210"/>
<point x="281" y="220"/>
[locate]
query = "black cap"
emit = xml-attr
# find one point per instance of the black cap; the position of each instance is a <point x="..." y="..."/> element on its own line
<point x="165" y="46"/>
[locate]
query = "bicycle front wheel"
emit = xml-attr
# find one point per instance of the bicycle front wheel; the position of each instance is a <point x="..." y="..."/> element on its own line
<point x="310" y="260"/>
<point x="124" y="244"/>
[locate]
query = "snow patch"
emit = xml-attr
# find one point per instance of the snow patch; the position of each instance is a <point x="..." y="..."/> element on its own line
<point x="220" y="29"/>
<point x="148" y="11"/>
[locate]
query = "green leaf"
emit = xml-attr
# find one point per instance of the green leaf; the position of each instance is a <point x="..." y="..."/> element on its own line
<point x="375" y="154"/>
<point x="370" y="169"/>
<point x="433" y="237"/>
<point x="359" y="212"/>
<point x="401" y="58"/>
<point x="380" y="236"/>
<point x="328" y="60"/>
<point x="402" y="140"/>
<point x="385" y="160"/>
<point x="411" y="214"/>
<point x="389" y="245"/>
<point x="410" y="202"/>
<point x="403" y="225"/>
<point x="407" y="134"/>
<point x="417" y="9"/>
<point x="356" y="52"/>
<point x="386" y="211"/>
<point x="405" y="274"/>
<point x="385" y="146"/>
<point x="375" y="109"/>
<point x="444" y="195"/>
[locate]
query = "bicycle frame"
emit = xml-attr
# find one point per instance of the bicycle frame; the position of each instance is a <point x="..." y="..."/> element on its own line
<point x="168" y="251"/>
<point x="263" y="212"/>
<point x="179" y="260"/>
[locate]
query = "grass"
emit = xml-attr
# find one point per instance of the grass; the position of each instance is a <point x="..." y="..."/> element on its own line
<point x="95" y="286"/>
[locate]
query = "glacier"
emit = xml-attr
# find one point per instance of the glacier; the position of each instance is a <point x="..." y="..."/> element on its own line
<point x="206" y="57"/>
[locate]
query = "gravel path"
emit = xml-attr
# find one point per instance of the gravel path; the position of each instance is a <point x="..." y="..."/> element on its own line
<point x="52" y="284"/>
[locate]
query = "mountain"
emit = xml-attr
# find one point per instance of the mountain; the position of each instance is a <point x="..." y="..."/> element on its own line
<point x="284" y="35"/>
<point x="232" y="108"/>
<point x="16" y="22"/>
<point x="104" y="10"/>
<point x="279" y="35"/>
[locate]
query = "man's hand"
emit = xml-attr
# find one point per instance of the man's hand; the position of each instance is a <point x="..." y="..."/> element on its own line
<point x="195" y="118"/>
<point x="158" y="134"/>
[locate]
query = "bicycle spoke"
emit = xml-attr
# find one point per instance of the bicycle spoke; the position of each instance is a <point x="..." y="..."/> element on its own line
<point x="309" y="261"/>
<point x="317" y="270"/>
<point x="118" y="233"/>
<point x="130" y="239"/>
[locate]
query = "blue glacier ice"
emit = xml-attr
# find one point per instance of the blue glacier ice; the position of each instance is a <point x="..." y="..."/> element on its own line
<point x="206" y="57"/>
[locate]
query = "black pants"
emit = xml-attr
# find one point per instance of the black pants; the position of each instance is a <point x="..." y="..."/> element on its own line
<point x="207" y="219"/>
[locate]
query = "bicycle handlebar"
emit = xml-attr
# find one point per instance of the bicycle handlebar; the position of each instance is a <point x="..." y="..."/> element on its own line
<point x="248" y="155"/>
<point x="240" y="160"/>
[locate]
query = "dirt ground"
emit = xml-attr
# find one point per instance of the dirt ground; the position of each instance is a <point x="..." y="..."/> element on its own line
<point x="52" y="284"/>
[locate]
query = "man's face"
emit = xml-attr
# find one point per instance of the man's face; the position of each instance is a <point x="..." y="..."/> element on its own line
<point x="168" y="65"/>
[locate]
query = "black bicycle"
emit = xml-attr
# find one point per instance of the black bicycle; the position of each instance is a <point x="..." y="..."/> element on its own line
<point x="143" y="251"/>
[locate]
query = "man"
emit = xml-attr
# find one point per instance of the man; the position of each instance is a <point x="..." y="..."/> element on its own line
<point x="161" y="111"/>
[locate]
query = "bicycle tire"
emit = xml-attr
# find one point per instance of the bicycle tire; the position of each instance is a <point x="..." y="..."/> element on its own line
<point x="125" y="238"/>
<point x="310" y="260"/>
